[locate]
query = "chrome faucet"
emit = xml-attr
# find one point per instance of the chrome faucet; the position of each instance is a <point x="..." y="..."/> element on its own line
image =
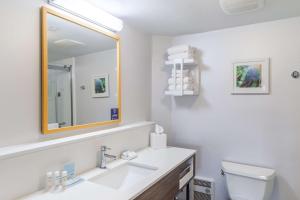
<point x="104" y="156"/>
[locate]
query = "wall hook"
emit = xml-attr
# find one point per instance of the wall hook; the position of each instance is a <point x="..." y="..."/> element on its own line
<point x="295" y="74"/>
<point x="82" y="87"/>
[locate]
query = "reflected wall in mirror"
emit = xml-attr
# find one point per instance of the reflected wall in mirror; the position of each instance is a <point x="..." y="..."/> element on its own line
<point x="81" y="73"/>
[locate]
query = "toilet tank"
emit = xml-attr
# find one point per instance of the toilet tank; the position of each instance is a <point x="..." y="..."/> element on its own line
<point x="246" y="182"/>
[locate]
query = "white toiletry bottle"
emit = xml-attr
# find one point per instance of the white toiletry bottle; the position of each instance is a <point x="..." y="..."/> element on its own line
<point x="64" y="179"/>
<point x="49" y="181"/>
<point x="57" y="178"/>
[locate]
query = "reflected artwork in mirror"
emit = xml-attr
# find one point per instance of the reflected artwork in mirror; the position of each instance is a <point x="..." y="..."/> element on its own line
<point x="80" y="73"/>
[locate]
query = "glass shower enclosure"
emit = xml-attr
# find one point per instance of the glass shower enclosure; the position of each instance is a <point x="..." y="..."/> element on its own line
<point x="60" y="96"/>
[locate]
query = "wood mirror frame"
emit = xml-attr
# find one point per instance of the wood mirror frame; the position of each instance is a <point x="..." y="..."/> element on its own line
<point x="84" y="24"/>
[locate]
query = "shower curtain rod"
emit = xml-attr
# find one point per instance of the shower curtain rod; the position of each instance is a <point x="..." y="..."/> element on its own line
<point x="60" y="67"/>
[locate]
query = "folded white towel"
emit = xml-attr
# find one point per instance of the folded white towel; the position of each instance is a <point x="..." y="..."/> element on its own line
<point x="180" y="75"/>
<point x="183" y="55"/>
<point x="178" y="80"/>
<point x="184" y="72"/>
<point x="185" y="87"/>
<point x="178" y="87"/>
<point x="190" y="51"/>
<point x="178" y="49"/>
<point x="179" y="71"/>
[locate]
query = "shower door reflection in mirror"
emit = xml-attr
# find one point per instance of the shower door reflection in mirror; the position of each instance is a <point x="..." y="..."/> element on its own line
<point x="81" y="73"/>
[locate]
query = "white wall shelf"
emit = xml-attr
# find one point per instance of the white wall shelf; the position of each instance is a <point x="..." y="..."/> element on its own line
<point x="19" y="150"/>
<point x="186" y="62"/>
<point x="180" y="65"/>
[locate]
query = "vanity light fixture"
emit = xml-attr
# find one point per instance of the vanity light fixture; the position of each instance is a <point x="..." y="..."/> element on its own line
<point x="89" y="12"/>
<point x="68" y="43"/>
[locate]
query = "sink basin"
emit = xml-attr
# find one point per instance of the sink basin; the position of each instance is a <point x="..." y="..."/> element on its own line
<point x="124" y="176"/>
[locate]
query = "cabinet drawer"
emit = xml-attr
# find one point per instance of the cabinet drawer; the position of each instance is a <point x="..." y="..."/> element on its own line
<point x="168" y="186"/>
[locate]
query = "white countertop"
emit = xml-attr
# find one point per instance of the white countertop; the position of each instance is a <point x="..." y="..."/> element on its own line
<point x="164" y="159"/>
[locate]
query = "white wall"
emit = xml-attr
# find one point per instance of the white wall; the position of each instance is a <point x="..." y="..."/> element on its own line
<point x="136" y="75"/>
<point x="88" y="108"/>
<point x="20" y="102"/>
<point x="160" y="104"/>
<point x="257" y="129"/>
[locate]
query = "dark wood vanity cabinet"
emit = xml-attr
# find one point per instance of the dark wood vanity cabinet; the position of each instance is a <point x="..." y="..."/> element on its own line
<point x="167" y="187"/>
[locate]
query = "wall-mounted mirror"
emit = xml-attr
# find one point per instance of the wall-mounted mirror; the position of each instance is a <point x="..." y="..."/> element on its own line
<point x="81" y="73"/>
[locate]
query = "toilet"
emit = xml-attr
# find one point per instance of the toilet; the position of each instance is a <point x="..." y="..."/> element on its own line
<point x="246" y="182"/>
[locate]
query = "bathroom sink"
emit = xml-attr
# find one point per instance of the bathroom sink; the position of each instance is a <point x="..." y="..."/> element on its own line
<point x="124" y="176"/>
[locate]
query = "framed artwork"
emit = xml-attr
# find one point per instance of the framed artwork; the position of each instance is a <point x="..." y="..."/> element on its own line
<point x="251" y="76"/>
<point x="100" y="86"/>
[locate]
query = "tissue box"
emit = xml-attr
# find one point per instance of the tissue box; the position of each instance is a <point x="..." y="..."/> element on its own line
<point x="158" y="141"/>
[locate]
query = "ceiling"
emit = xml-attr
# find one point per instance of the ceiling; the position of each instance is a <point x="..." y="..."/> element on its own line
<point x="67" y="39"/>
<point x="176" y="17"/>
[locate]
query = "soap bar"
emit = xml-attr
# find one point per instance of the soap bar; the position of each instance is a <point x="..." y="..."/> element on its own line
<point x="158" y="141"/>
<point x="128" y="155"/>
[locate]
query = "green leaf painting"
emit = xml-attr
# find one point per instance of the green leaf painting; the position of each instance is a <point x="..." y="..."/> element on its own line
<point x="100" y="85"/>
<point x="248" y="76"/>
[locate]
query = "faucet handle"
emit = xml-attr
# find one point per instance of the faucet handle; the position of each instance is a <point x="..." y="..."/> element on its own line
<point x="104" y="148"/>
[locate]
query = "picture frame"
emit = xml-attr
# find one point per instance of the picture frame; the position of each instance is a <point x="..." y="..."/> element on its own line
<point x="100" y="86"/>
<point x="251" y="76"/>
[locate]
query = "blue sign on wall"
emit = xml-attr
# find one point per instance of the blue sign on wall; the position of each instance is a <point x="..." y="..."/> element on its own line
<point x="114" y="113"/>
